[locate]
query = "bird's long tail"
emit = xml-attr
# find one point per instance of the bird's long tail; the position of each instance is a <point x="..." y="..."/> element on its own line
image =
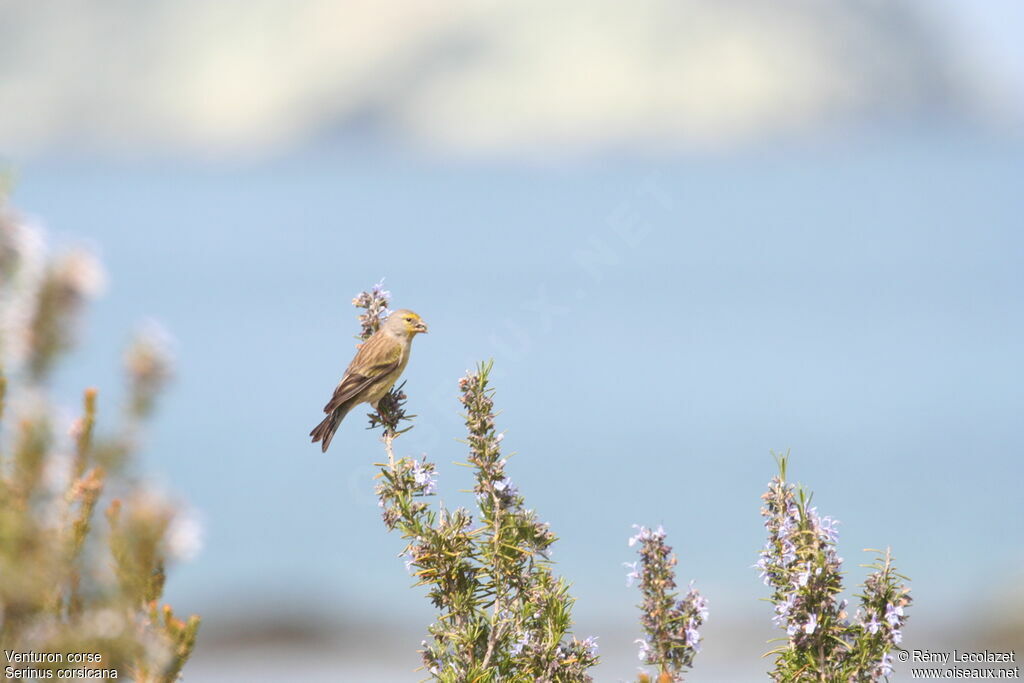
<point x="324" y="431"/>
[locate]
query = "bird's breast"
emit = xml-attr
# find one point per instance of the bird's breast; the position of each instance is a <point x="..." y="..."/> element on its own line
<point x="389" y="380"/>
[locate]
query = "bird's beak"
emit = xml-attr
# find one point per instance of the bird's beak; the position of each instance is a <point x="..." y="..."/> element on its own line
<point x="421" y="327"/>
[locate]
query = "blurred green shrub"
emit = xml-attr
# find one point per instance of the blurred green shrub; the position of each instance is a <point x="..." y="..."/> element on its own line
<point x="79" y="597"/>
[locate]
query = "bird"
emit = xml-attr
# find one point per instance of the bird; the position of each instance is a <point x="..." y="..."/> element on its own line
<point x="378" y="364"/>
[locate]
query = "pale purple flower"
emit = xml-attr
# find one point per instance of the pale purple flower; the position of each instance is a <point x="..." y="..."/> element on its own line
<point x="693" y="638"/>
<point x="783" y="608"/>
<point x="517" y="647"/>
<point x="506" y="489"/>
<point x="885" y="666"/>
<point x="894" y="615"/>
<point x="644" y="534"/>
<point x="379" y="291"/>
<point x="634" y="573"/>
<point x="425" y="479"/>
<point x="828" y="529"/>
<point x="762" y="564"/>
<point x="803" y="577"/>
<point x="788" y="551"/>
<point x="700" y="604"/>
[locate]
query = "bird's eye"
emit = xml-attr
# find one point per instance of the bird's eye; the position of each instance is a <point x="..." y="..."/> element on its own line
<point x="408" y="320"/>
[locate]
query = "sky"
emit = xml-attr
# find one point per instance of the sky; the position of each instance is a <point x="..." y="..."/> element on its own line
<point x="672" y="284"/>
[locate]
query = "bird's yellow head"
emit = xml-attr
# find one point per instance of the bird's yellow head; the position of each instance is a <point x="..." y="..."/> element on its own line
<point x="405" y="323"/>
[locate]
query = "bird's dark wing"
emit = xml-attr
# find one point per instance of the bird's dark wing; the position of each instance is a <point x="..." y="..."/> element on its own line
<point x="377" y="358"/>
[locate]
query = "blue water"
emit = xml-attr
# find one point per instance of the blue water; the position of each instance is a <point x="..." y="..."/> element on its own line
<point x="657" y="327"/>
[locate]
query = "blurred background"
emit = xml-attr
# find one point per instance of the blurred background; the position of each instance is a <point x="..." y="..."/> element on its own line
<point x="688" y="232"/>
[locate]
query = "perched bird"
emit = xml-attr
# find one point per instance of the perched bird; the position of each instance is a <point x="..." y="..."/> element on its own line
<point x="375" y="369"/>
